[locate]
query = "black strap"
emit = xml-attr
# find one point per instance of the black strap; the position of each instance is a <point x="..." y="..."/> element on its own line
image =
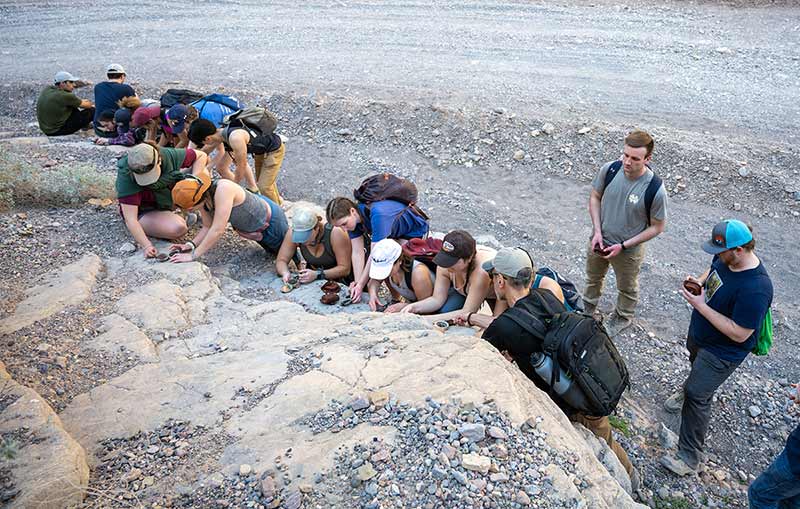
<point x="650" y="192"/>
<point x="407" y="276"/>
<point x="527" y="321"/>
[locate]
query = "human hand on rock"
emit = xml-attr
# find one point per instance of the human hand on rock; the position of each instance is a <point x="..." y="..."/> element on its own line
<point x="181" y="257"/>
<point x="355" y="293"/>
<point x="396" y="307"/>
<point x="150" y="251"/>
<point x="306" y="275"/>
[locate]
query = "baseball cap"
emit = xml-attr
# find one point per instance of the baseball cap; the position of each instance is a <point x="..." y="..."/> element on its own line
<point x="188" y="192"/>
<point x="510" y="261"/>
<point x="145" y="114"/>
<point x="122" y="117"/>
<point x="726" y="235"/>
<point x="456" y="245"/>
<point x="384" y="254"/>
<point x="115" y="69"/>
<point x="144" y="164"/>
<point x="62" y="76"/>
<point x="303" y="222"/>
<point x="177" y="112"/>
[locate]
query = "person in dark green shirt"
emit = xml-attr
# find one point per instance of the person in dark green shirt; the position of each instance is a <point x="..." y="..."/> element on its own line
<point x="59" y="111"/>
<point x="145" y="178"/>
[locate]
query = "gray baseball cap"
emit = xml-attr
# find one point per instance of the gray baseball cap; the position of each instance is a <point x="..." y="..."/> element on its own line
<point x="62" y="76"/>
<point x="115" y="68"/>
<point x="510" y="261"/>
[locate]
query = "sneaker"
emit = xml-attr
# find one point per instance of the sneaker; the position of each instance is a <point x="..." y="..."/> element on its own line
<point x="676" y="465"/>
<point x="617" y="324"/>
<point x="674" y="403"/>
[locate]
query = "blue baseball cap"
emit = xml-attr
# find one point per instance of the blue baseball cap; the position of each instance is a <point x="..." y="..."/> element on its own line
<point x="726" y="235"/>
<point x="177" y="112"/>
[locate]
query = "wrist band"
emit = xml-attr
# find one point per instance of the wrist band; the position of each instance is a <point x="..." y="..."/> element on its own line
<point x="469" y="315"/>
<point x="191" y="244"/>
<point x="623" y="245"/>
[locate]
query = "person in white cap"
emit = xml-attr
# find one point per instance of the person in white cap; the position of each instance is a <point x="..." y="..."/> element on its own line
<point x="107" y="94"/>
<point x="408" y="280"/>
<point x="59" y="111"/>
<point x="325" y="249"/>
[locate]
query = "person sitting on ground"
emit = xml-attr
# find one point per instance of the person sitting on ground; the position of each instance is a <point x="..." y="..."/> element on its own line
<point x="408" y="280"/>
<point x="173" y="126"/>
<point x="148" y="118"/>
<point x="145" y="177"/>
<point x="511" y="272"/>
<point x="253" y="216"/>
<point x="462" y="285"/>
<point x="325" y="249"/>
<point x="59" y="111"/>
<point x="116" y="120"/>
<point x="369" y="224"/>
<point x="106" y="96"/>
<point x="232" y="144"/>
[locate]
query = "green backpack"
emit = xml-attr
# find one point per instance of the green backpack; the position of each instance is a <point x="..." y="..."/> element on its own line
<point x="764" y="335"/>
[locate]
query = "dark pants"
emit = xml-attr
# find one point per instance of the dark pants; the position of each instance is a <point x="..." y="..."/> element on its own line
<point x="707" y="374"/>
<point x="78" y="119"/>
<point x="776" y="488"/>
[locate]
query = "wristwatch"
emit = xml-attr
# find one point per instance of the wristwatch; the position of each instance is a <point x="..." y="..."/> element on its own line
<point x="623" y="245"/>
<point x="320" y="274"/>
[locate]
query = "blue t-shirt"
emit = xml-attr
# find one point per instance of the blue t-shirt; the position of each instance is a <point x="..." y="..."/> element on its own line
<point x="106" y="95"/>
<point x="389" y="219"/>
<point x="744" y="297"/>
<point x="793" y="451"/>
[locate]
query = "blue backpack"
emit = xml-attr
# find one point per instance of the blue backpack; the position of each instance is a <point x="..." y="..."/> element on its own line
<point x="216" y="107"/>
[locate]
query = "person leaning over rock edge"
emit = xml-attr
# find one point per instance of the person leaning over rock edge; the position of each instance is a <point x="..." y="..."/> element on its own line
<point x="59" y="111"/>
<point x="405" y="277"/>
<point x="145" y="177"/>
<point x="778" y="487"/>
<point x="369" y="224"/>
<point x="106" y="96"/>
<point x="325" y="249"/>
<point x="511" y="272"/>
<point x="733" y="302"/>
<point x="621" y="224"/>
<point x="268" y="151"/>
<point x="462" y="285"/>
<point x="253" y="216"/>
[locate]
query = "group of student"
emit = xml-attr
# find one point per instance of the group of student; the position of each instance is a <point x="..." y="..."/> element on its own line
<point x="373" y="239"/>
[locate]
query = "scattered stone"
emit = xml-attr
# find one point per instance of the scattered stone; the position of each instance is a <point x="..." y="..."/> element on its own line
<point x="584" y="130"/>
<point x="365" y="472"/>
<point x="293" y="500"/>
<point x="379" y="398"/>
<point x="472" y="432"/>
<point x="497" y="433"/>
<point x="358" y="403"/>
<point x="548" y="128"/>
<point x="268" y="487"/>
<point x="519" y="155"/>
<point x="522" y="498"/>
<point x="666" y="437"/>
<point x="127" y="248"/>
<point x="744" y="171"/>
<point x="245" y="470"/>
<point x="476" y="463"/>
<point x="754" y="411"/>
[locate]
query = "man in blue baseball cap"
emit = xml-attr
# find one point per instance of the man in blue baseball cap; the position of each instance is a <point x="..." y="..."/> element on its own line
<point x="735" y="295"/>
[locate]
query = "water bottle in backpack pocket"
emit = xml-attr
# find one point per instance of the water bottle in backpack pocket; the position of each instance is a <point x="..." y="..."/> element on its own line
<point x="564" y="386"/>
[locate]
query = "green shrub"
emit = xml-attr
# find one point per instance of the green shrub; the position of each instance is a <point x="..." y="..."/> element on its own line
<point x="620" y="424"/>
<point x="24" y="184"/>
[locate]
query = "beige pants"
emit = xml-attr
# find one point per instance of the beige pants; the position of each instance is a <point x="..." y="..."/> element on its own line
<point x="626" y="267"/>
<point x="602" y="429"/>
<point x="267" y="167"/>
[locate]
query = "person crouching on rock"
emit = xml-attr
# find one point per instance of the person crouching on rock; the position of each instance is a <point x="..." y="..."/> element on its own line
<point x="253" y="216"/>
<point x="461" y="283"/>
<point x="325" y="249"/>
<point x="408" y="280"/>
<point x="145" y="178"/>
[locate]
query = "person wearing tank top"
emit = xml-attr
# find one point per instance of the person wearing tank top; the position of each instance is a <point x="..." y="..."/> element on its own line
<point x="408" y="280"/>
<point x="253" y="217"/>
<point x="325" y="249"/>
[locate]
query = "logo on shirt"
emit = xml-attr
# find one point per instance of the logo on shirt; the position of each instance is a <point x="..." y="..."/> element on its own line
<point x="633" y="199"/>
<point x="713" y="283"/>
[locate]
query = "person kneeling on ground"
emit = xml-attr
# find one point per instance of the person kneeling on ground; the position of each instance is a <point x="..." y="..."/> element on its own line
<point x="253" y="216"/>
<point x="325" y="249"/>
<point x="778" y="487"/>
<point x="59" y="111"/>
<point x="233" y="143"/>
<point x="384" y="219"/>
<point x="145" y="177"/>
<point x="511" y="272"/>
<point x="461" y="283"/>
<point x="110" y="120"/>
<point x="408" y="280"/>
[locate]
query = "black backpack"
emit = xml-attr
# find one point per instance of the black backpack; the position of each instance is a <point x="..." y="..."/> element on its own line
<point x="650" y="192"/>
<point x="385" y="186"/>
<point x="583" y="350"/>
<point x="174" y="96"/>
<point x="571" y="294"/>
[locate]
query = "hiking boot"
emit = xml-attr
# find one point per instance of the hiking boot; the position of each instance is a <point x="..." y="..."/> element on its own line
<point x="674" y="403"/>
<point x="676" y="465"/>
<point x="617" y="324"/>
<point x="589" y="309"/>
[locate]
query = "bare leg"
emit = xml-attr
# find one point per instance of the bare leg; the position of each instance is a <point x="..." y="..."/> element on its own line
<point x="163" y="224"/>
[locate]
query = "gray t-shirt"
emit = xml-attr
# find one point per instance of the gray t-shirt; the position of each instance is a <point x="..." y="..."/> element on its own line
<point x="622" y="211"/>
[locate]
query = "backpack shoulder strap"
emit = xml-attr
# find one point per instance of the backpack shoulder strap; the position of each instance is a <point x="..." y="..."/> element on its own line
<point x="611" y="173"/>
<point x="650" y="194"/>
<point x="408" y="275"/>
<point x="527" y="321"/>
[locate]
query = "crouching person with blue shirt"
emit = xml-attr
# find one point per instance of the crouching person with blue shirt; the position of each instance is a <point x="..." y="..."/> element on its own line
<point x="735" y="295"/>
<point x="778" y="487"/>
<point x="368" y="224"/>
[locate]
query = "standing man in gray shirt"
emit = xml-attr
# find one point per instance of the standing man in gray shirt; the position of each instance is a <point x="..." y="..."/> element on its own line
<point x="628" y="207"/>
